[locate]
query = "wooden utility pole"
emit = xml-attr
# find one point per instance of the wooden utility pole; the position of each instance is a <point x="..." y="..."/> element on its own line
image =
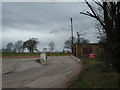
<point x="78" y="35"/>
<point x="71" y="35"/>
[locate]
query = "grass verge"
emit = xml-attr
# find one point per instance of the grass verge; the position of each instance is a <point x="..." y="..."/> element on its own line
<point x="34" y="54"/>
<point x="94" y="76"/>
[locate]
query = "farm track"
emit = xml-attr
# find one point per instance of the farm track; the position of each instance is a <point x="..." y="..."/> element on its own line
<point x="58" y="73"/>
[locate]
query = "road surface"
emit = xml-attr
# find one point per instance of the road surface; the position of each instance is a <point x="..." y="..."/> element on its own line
<point x="57" y="73"/>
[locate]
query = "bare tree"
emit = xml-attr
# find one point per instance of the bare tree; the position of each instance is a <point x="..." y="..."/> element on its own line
<point x="68" y="43"/>
<point x="18" y="46"/>
<point x="9" y="47"/>
<point x="31" y="44"/>
<point x="109" y="23"/>
<point x="51" y="46"/>
<point x="80" y="38"/>
<point x="83" y="40"/>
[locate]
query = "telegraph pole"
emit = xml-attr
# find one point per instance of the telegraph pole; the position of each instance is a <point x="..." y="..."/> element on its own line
<point x="78" y="35"/>
<point x="71" y="35"/>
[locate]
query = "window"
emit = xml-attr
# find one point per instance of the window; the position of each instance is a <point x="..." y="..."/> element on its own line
<point x="86" y="50"/>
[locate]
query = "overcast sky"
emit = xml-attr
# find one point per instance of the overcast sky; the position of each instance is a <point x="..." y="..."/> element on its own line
<point x="46" y="21"/>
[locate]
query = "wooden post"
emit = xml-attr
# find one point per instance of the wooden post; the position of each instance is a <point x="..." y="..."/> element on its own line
<point x="72" y="35"/>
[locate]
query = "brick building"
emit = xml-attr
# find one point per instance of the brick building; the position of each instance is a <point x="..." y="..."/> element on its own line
<point x="83" y="50"/>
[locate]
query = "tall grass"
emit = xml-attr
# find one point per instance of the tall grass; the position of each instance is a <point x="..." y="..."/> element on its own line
<point x="94" y="75"/>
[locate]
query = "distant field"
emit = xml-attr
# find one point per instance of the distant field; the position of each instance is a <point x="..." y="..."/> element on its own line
<point x="94" y="75"/>
<point x="33" y="54"/>
<point x="0" y="54"/>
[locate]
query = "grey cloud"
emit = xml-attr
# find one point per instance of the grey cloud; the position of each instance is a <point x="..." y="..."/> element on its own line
<point x="47" y="21"/>
<point x="37" y="13"/>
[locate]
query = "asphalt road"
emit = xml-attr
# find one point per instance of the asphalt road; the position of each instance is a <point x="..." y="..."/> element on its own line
<point x="57" y="73"/>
